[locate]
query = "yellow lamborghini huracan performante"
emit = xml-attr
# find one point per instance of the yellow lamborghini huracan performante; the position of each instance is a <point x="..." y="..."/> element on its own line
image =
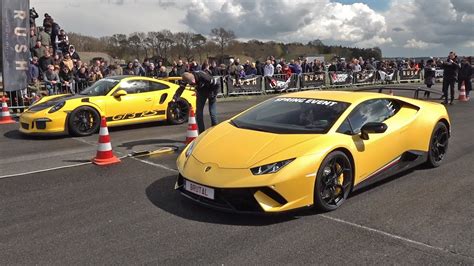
<point x="123" y="100"/>
<point x="310" y="149"/>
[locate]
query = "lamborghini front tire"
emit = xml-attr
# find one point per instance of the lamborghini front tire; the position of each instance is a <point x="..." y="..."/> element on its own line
<point x="333" y="181"/>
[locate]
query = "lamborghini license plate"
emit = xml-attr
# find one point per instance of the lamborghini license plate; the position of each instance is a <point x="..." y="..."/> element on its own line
<point x="199" y="189"/>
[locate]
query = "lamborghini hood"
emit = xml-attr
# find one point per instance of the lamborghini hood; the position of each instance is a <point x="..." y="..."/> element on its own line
<point x="232" y="147"/>
<point x="51" y="102"/>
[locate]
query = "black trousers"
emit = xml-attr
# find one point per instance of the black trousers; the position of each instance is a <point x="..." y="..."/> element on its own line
<point x="448" y="83"/>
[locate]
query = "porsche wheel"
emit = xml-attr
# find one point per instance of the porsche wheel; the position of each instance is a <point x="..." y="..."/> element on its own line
<point x="178" y="112"/>
<point x="83" y="121"/>
<point x="438" y="145"/>
<point x="333" y="181"/>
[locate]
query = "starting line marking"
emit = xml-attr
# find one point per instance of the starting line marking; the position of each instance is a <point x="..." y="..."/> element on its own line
<point x="401" y="238"/>
<point x="155" y="164"/>
<point x="45" y="170"/>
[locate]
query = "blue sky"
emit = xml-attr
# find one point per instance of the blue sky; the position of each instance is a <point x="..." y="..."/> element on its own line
<point x="378" y="5"/>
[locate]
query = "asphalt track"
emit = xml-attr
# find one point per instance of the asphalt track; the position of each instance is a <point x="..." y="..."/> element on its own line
<point x="129" y="213"/>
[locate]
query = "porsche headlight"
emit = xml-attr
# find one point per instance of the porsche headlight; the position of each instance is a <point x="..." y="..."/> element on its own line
<point x="270" y="168"/>
<point x="190" y="149"/>
<point x="56" y="107"/>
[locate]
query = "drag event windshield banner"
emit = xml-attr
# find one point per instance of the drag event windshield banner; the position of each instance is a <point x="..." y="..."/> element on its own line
<point x="15" y="47"/>
<point x="247" y="85"/>
<point x="313" y="80"/>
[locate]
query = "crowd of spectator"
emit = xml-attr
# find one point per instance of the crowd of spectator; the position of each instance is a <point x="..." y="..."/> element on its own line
<point x="54" y="61"/>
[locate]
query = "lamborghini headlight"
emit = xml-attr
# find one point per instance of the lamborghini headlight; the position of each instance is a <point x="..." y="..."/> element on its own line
<point x="190" y="149"/>
<point x="56" y="107"/>
<point x="270" y="168"/>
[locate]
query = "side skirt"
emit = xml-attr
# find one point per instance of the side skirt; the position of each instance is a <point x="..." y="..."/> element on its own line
<point x="402" y="163"/>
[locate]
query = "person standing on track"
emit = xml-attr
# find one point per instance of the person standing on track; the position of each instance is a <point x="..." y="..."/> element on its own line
<point x="465" y="75"/>
<point x="450" y="67"/>
<point x="430" y="73"/>
<point x="207" y="88"/>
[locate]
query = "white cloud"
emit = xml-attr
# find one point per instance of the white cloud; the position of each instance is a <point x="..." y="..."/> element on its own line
<point x="412" y="43"/>
<point x="283" y="20"/>
<point x="469" y="44"/>
<point x="443" y="25"/>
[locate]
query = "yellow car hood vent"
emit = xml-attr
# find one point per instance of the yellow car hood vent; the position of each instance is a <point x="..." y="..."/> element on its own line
<point x="231" y="147"/>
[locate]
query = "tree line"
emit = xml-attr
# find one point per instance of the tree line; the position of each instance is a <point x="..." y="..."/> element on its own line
<point x="170" y="46"/>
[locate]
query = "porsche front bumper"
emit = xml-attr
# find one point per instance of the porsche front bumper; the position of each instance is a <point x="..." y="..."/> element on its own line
<point x="42" y="123"/>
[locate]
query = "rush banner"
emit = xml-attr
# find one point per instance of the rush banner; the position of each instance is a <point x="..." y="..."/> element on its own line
<point x="313" y="80"/>
<point x="409" y="74"/>
<point x="15" y="47"/>
<point x="248" y="85"/>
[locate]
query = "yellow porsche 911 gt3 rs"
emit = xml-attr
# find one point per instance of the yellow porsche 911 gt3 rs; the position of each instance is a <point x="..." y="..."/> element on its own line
<point x="310" y="149"/>
<point x="122" y="100"/>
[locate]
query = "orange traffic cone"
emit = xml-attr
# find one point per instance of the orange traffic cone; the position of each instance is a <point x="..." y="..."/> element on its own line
<point x="192" y="132"/>
<point x="462" y="93"/>
<point x="104" y="155"/>
<point x="5" y="118"/>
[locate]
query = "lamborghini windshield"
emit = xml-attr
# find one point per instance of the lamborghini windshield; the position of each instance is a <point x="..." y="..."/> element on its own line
<point x="100" y="88"/>
<point x="292" y="116"/>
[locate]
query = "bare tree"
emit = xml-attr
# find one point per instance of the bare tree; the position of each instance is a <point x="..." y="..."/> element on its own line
<point x="136" y="40"/>
<point x="198" y="42"/>
<point x="222" y="37"/>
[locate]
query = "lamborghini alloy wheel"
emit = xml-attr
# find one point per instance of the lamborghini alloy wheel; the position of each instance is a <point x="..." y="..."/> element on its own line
<point x="178" y="112"/>
<point x="333" y="181"/>
<point x="438" y="145"/>
<point x="83" y="121"/>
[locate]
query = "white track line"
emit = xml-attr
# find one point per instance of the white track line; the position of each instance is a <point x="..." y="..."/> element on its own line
<point x="156" y="164"/>
<point x="45" y="170"/>
<point x="401" y="238"/>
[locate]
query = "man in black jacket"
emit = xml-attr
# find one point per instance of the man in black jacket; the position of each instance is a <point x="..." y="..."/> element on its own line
<point x="206" y="89"/>
<point x="450" y="67"/>
<point x="465" y="75"/>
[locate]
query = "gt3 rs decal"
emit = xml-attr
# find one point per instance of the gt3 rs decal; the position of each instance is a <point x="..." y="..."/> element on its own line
<point x="135" y="115"/>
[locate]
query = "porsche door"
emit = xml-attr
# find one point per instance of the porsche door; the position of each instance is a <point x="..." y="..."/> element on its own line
<point x="134" y="106"/>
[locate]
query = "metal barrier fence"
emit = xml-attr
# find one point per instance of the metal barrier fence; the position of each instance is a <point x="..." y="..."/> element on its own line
<point x="19" y="100"/>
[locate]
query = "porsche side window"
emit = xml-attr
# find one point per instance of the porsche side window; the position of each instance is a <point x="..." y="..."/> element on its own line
<point x="370" y="111"/>
<point x="157" y="86"/>
<point x="134" y="86"/>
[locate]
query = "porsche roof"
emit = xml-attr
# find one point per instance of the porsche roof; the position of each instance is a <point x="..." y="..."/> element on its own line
<point x="342" y="96"/>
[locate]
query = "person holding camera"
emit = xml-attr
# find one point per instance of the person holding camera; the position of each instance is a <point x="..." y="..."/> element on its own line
<point x="450" y="68"/>
<point x="207" y="88"/>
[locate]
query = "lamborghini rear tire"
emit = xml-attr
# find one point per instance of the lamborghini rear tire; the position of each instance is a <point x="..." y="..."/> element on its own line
<point x="178" y="112"/>
<point x="333" y="181"/>
<point x="438" y="145"/>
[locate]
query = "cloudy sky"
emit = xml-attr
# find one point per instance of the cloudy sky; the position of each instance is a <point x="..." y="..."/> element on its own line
<point x="399" y="27"/>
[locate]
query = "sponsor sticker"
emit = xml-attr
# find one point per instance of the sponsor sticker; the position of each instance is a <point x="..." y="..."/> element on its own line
<point x="305" y="100"/>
